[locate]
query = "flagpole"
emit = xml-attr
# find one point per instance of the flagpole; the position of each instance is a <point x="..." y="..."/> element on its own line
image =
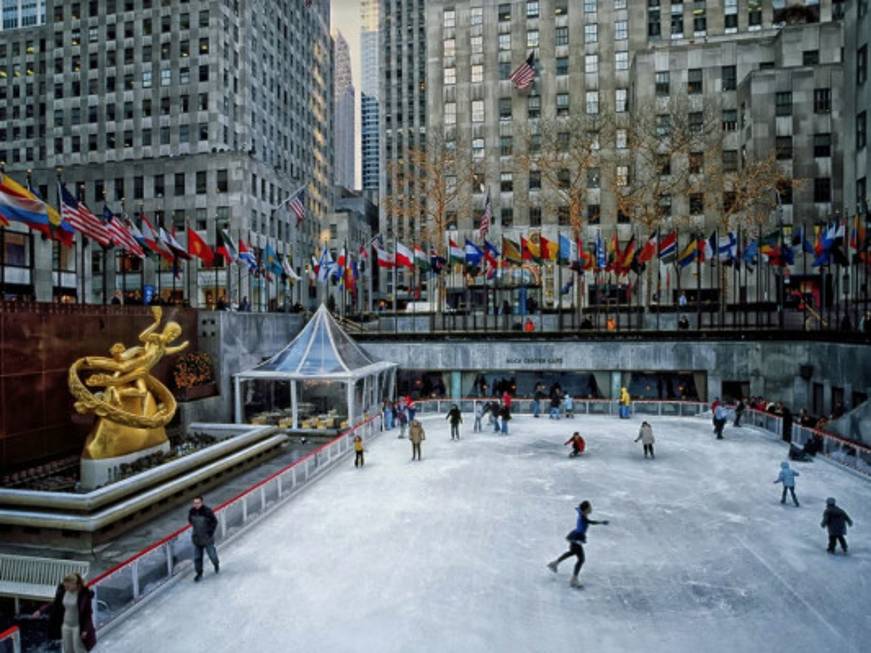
<point x="395" y="289"/>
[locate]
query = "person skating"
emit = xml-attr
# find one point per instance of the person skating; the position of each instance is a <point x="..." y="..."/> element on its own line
<point x="70" y="615"/>
<point x="417" y="435"/>
<point x="480" y="409"/>
<point x="495" y="411"/>
<point x="402" y="418"/>
<point x="456" y="418"/>
<point x="505" y="415"/>
<point x="721" y="416"/>
<point x="203" y="525"/>
<point x="537" y="398"/>
<point x="739" y="412"/>
<point x="625" y="403"/>
<point x="836" y="521"/>
<point x="358" y="451"/>
<point x="787" y="477"/>
<point x="554" y="406"/>
<point x="577" y="538"/>
<point x="578" y="444"/>
<point x="569" y="406"/>
<point x="645" y="434"/>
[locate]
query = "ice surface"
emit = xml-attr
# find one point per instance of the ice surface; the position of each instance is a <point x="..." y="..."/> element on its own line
<point x="449" y="554"/>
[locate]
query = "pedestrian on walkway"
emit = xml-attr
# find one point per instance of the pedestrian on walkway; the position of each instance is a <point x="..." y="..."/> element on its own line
<point x="505" y="414"/>
<point x="456" y="418"/>
<point x="577" y="538"/>
<point x="836" y="521"/>
<point x="203" y="526"/>
<point x="70" y="616"/>
<point x="645" y="434"/>
<point x="787" y="477"/>
<point x="358" y="451"/>
<point x="480" y="409"/>
<point x="417" y="435"/>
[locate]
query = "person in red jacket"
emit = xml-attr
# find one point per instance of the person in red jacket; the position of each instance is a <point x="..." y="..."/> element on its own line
<point x="578" y="444"/>
<point x="506" y="400"/>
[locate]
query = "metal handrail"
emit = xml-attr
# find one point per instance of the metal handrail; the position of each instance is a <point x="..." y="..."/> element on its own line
<point x="10" y="640"/>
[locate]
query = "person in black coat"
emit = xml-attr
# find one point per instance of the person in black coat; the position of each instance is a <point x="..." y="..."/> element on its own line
<point x="787" y="424"/>
<point x="203" y="526"/>
<point x="76" y="631"/>
<point x="456" y="418"/>
<point x="836" y="521"/>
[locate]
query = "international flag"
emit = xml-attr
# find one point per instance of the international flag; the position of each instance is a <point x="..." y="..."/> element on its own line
<point x="568" y="252"/>
<point x="688" y="254"/>
<point x="437" y="263"/>
<point x="455" y="252"/>
<point x="524" y="74"/>
<point x="601" y="260"/>
<point x="21" y="209"/>
<point x="120" y="234"/>
<point x="511" y="251"/>
<point x="296" y="203"/>
<point x="404" y="256"/>
<point x="567" y="287"/>
<point x="530" y="248"/>
<point x="549" y="249"/>
<point x="271" y="262"/>
<point x="751" y="251"/>
<point x="81" y="219"/>
<point x="491" y="254"/>
<point x="613" y="253"/>
<point x="486" y="217"/>
<point x="800" y="239"/>
<point x="628" y="257"/>
<point x="151" y="238"/>
<point x="247" y="257"/>
<point x="385" y="259"/>
<point x="198" y="247"/>
<point x="727" y="247"/>
<point x="474" y="254"/>
<point x="341" y="263"/>
<point x="668" y="248"/>
<point x="649" y="249"/>
<point x="421" y="260"/>
<point x="226" y="247"/>
<point x="169" y="241"/>
<point x="289" y="272"/>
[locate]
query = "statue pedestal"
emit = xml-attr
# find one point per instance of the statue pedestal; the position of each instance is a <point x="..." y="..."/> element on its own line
<point x="96" y="473"/>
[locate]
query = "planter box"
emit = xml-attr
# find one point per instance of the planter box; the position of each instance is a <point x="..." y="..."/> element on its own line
<point x="197" y="392"/>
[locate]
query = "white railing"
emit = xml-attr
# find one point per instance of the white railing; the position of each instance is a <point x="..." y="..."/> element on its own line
<point x="119" y="589"/>
<point x="10" y="640"/>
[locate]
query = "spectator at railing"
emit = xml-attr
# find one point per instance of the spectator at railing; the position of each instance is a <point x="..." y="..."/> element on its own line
<point x="70" y="616"/>
<point x="805" y="419"/>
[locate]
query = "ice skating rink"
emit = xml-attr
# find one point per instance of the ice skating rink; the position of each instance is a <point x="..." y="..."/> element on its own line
<point x="449" y="554"/>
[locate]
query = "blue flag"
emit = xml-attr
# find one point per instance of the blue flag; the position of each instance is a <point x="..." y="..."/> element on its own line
<point x="474" y="254"/>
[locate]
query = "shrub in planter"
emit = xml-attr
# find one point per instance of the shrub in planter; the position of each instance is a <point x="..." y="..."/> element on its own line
<point x="193" y="369"/>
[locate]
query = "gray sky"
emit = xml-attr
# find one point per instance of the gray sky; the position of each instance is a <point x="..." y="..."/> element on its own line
<point x="346" y="19"/>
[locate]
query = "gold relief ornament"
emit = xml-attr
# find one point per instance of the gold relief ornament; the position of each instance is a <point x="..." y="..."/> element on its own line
<point x="133" y="407"/>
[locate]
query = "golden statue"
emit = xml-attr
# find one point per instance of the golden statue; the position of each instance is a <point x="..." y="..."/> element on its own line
<point x="134" y="407"/>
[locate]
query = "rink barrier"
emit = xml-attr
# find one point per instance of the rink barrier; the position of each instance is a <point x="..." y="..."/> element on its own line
<point x="119" y="590"/>
<point x="10" y="640"/>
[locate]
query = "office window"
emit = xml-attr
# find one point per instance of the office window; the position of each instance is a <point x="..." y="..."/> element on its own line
<point x="562" y="104"/>
<point x="533" y="109"/>
<point x="562" y="65"/>
<point x="505" y="11"/>
<point x="730" y="120"/>
<point x="662" y="83"/>
<point x="450" y="18"/>
<point x="450" y="113"/>
<point x="822" y="100"/>
<point x="450" y="76"/>
<point x="594" y="212"/>
<point x="534" y="216"/>
<point x="822" y="190"/>
<point x="621" y="139"/>
<point x="477" y="73"/>
<point x="504" y="42"/>
<point x="201" y="186"/>
<point x="861" y="130"/>
<point x="783" y="147"/>
<point x="222" y="181"/>
<point x="560" y="7"/>
<point x="592" y="102"/>
<point x="591" y="33"/>
<point x="477" y="43"/>
<point x="564" y="179"/>
<point x="621" y="100"/>
<point x="822" y="145"/>
<point x="622" y="175"/>
<point x="504" y="109"/>
<point x="663" y="125"/>
<point x="590" y="6"/>
<point x="506" y="145"/>
<point x="676" y="25"/>
<point x="562" y="35"/>
<point x="476" y="15"/>
<point x="696" y="163"/>
<point x="783" y="103"/>
<point x="621" y="30"/>
<point x="477" y="110"/>
<point x="450" y="46"/>
<point x="593" y="178"/>
<point x="534" y="179"/>
<point x="506" y="182"/>
<point x="477" y="148"/>
<point x="696" y="121"/>
<point x="700" y="20"/>
<point x="810" y="57"/>
<point x="591" y="64"/>
<point x="621" y="60"/>
<point x="729" y="75"/>
<point x="654" y="26"/>
<point x="532" y="9"/>
<point x="694" y="81"/>
<point x="663" y="164"/>
<point x="754" y="14"/>
<point x="532" y="38"/>
<point x="862" y="65"/>
<point x="504" y="69"/>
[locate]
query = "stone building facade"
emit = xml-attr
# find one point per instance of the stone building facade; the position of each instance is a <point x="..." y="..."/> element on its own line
<point x="206" y="114"/>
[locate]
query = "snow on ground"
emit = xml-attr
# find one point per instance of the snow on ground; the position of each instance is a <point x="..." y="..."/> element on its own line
<point x="449" y="554"/>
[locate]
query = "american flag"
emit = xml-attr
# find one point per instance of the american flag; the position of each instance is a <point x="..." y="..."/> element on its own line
<point x="525" y="73"/>
<point x="486" y="218"/>
<point x="297" y="205"/>
<point x="119" y="234"/>
<point x="82" y="220"/>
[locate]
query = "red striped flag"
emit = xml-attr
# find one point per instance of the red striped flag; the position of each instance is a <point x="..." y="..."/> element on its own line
<point x="525" y="73"/>
<point x="486" y="218"/>
<point x="81" y="219"/>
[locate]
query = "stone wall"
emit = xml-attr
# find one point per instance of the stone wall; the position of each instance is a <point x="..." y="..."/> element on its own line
<point x="770" y="367"/>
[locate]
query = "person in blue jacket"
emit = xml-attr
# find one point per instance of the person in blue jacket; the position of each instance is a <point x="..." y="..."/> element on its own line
<point x="787" y="477"/>
<point x="577" y="538"/>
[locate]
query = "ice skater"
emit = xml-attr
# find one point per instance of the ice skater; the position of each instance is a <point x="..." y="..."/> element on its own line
<point x="721" y="416"/>
<point x="495" y="411"/>
<point x="417" y="435"/>
<point x="578" y="444"/>
<point x="787" y="477"/>
<point x="358" y="451"/>
<point x="203" y="526"/>
<point x="456" y="418"/>
<point x="569" y="406"/>
<point x="554" y="405"/>
<point x="480" y="409"/>
<point x="740" y="407"/>
<point x="645" y="434"/>
<point x="505" y="415"/>
<point x="402" y="418"/>
<point x="577" y="538"/>
<point x="625" y="403"/>
<point x="836" y="521"/>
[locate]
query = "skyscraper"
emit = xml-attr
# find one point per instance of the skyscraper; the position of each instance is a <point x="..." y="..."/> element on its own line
<point x="344" y="123"/>
<point x="369" y="114"/>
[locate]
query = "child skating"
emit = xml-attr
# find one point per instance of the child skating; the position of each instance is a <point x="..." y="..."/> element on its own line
<point x="836" y="521"/>
<point x="578" y="444"/>
<point x="787" y="477"/>
<point x="577" y="538"/>
<point x="645" y="434"/>
<point x="358" y="451"/>
<point x="456" y="419"/>
<point x="480" y="408"/>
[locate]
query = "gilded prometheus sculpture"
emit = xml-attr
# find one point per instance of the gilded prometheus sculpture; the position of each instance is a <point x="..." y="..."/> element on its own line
<point x="133" y="407"/>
